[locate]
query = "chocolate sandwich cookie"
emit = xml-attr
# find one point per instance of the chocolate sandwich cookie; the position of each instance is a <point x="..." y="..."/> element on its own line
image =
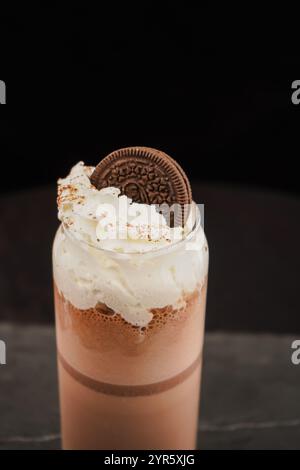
<point x="146" y="175"/>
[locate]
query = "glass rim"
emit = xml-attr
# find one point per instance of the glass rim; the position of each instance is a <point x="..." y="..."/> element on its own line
<point x="143" y="254"/>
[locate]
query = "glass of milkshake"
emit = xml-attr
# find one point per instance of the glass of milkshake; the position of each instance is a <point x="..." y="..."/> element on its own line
<point x="130" y="308"/>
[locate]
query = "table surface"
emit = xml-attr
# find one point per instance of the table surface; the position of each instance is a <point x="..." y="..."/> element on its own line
<point x="250" y="392"/>
<point x="250" y="387"/>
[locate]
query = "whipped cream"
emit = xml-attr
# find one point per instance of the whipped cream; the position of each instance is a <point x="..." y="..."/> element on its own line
<point x="107" y="220"/>
<point x="123" y="254"/>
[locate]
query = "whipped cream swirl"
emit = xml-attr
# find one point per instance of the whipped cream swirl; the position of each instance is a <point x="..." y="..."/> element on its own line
<point x="123" y="254"/>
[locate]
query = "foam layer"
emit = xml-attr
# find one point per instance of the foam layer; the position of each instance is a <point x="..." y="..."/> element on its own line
<point x="131" y="284"/>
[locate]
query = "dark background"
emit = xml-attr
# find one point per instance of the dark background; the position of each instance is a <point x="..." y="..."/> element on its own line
<point x="199" y="83"/>
<point x="210" y="86"/>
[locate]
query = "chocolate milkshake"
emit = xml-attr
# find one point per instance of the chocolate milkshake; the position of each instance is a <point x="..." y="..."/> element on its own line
<point x="130" y="293"/>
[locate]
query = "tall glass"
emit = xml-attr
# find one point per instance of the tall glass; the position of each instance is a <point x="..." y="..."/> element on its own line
<point x="122" y="386"/>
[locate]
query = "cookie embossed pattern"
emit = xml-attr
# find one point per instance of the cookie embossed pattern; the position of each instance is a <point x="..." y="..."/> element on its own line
<point x="147" y="176"/>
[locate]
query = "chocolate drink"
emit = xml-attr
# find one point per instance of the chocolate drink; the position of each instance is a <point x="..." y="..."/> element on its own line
<point x="130" y="322"/>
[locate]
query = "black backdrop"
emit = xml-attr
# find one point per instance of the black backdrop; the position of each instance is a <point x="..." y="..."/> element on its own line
<point x="197" y="83"/>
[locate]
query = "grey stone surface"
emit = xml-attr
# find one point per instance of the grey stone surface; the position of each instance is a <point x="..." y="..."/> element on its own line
<point x="28" y="384"/>
<point x="250" y="393"/>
